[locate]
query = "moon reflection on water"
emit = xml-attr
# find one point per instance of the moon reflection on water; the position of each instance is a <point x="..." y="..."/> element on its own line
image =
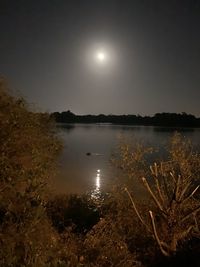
<point x="96" y="193"/>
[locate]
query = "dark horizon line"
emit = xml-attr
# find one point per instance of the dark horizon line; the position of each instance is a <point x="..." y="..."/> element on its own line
<point x="127" y="114"/>
<point x="159" y="119"/>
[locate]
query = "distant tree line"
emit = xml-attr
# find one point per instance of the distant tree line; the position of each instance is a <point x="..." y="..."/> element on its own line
<point x="159" y="119"/>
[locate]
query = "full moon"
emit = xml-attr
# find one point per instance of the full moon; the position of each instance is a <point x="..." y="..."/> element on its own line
<point x="100" y="56"/>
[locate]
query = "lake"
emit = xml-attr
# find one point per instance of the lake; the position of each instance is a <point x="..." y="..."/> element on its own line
<point x="85" y="160"/>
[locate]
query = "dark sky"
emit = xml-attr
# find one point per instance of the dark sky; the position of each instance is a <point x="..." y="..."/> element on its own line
<point x="47" y="53"/>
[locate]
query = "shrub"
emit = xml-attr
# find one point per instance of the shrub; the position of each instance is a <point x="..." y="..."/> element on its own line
<point x="104" y="246"/>
<point x="76" y="212"/>
<point x="28" y="152"/>
<point x="173" y="188"/>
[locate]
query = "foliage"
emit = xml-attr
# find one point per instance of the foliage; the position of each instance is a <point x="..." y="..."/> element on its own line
<point x="104" y="246"/>
<point x="28" y="151"/>
<point x="87" y="239"/>
<point x="173" y="188"/>
<point x="78" y="212"/>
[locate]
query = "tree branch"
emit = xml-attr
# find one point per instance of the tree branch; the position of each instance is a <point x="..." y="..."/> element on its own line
<point x="136" y="211"/>
<point x="164" y="252"/>
<point x="153" y="196"/>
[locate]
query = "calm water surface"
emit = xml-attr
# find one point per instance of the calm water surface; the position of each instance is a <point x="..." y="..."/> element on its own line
<point x="81" y="173"/>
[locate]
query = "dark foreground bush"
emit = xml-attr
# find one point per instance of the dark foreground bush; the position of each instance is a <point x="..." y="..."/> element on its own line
<point x="76" y="212"/>
<point x="28" y="152"/>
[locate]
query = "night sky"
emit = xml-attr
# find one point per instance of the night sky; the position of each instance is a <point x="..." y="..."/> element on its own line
<point x="47" y="50"/>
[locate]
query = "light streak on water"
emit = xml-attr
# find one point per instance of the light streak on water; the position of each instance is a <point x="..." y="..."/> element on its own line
<point x="95" y="194"/>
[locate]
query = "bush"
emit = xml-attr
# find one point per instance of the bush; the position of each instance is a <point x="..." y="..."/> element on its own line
<point x="172" y="190"/>
<point x="28" y="152"/>
<point x="104" y="246"/>
<point x="76" y="212"/>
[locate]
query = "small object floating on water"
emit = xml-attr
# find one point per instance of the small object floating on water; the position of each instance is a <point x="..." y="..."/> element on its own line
<point x="93" y="154"/>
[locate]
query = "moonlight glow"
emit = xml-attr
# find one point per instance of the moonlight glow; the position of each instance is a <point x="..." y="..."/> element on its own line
<point x="101" y="57"/>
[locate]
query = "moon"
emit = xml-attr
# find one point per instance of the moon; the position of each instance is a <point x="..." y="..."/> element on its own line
<point x="101" y="57"/>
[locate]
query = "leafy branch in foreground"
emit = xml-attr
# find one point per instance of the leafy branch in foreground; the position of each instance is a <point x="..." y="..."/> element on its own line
<point x="173" y="186"/>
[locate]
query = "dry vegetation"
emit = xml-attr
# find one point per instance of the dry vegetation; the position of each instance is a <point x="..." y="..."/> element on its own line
<point x="37" y="229"/>
<point x="171" y="212"/>
<point x="28" y="154"/>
